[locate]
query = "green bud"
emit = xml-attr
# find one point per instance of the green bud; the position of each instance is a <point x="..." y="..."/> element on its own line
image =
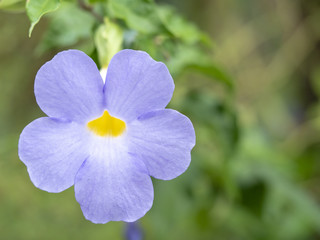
<point x="108" y="40"/>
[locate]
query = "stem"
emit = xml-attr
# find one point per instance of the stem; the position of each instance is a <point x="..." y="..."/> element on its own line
<point x="90" y="10"/>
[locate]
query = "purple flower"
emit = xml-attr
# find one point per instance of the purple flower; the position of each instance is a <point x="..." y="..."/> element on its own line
<point x="106" y="139"/>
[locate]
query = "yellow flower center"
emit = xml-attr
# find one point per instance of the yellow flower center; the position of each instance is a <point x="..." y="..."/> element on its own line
<point x="106" y="125"/>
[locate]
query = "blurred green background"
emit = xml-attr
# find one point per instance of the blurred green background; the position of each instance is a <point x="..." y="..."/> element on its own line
<point x="252" y="94"/>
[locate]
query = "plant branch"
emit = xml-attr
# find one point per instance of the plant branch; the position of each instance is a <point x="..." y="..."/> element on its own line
<point x="90" y="9"/>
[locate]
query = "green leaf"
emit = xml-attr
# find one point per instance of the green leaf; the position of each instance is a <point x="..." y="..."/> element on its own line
<point x="187" y="57"/>
<point x="138" y="15"/>
<point x="218" y="118"/>
<point x="12" y="5"/>
<point x="108" y="40"/>
<point x="181" y="28"/>
<point x="68" y="26"/>
<point x="37" y="8"/>
<point x="213" y="71"/>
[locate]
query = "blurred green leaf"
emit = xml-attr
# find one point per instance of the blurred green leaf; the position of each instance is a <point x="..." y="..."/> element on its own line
<point x="138" y="15"/>
<point x="108" y="40"/>
<point x="217" y="117"/>
<point x="213" y="71"/>
<point x="180" y="28"/>
<point x="12" y="5"/>
<point x="37" y="8"/>
<point x="68" y="26"/>
<point x="197" y="60"/>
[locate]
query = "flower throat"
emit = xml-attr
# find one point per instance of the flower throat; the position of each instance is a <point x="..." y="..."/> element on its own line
<point x="106" y="125"/>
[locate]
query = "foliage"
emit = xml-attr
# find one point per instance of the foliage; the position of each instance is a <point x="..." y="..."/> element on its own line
<point x="141" y="24"/>
<point x="37" y="8"/>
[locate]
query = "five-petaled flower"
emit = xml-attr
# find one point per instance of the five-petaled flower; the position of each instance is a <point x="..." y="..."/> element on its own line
<point x="106" y="139"/>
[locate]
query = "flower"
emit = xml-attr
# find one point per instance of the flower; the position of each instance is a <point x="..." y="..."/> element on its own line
<point x="106" y="139"/>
